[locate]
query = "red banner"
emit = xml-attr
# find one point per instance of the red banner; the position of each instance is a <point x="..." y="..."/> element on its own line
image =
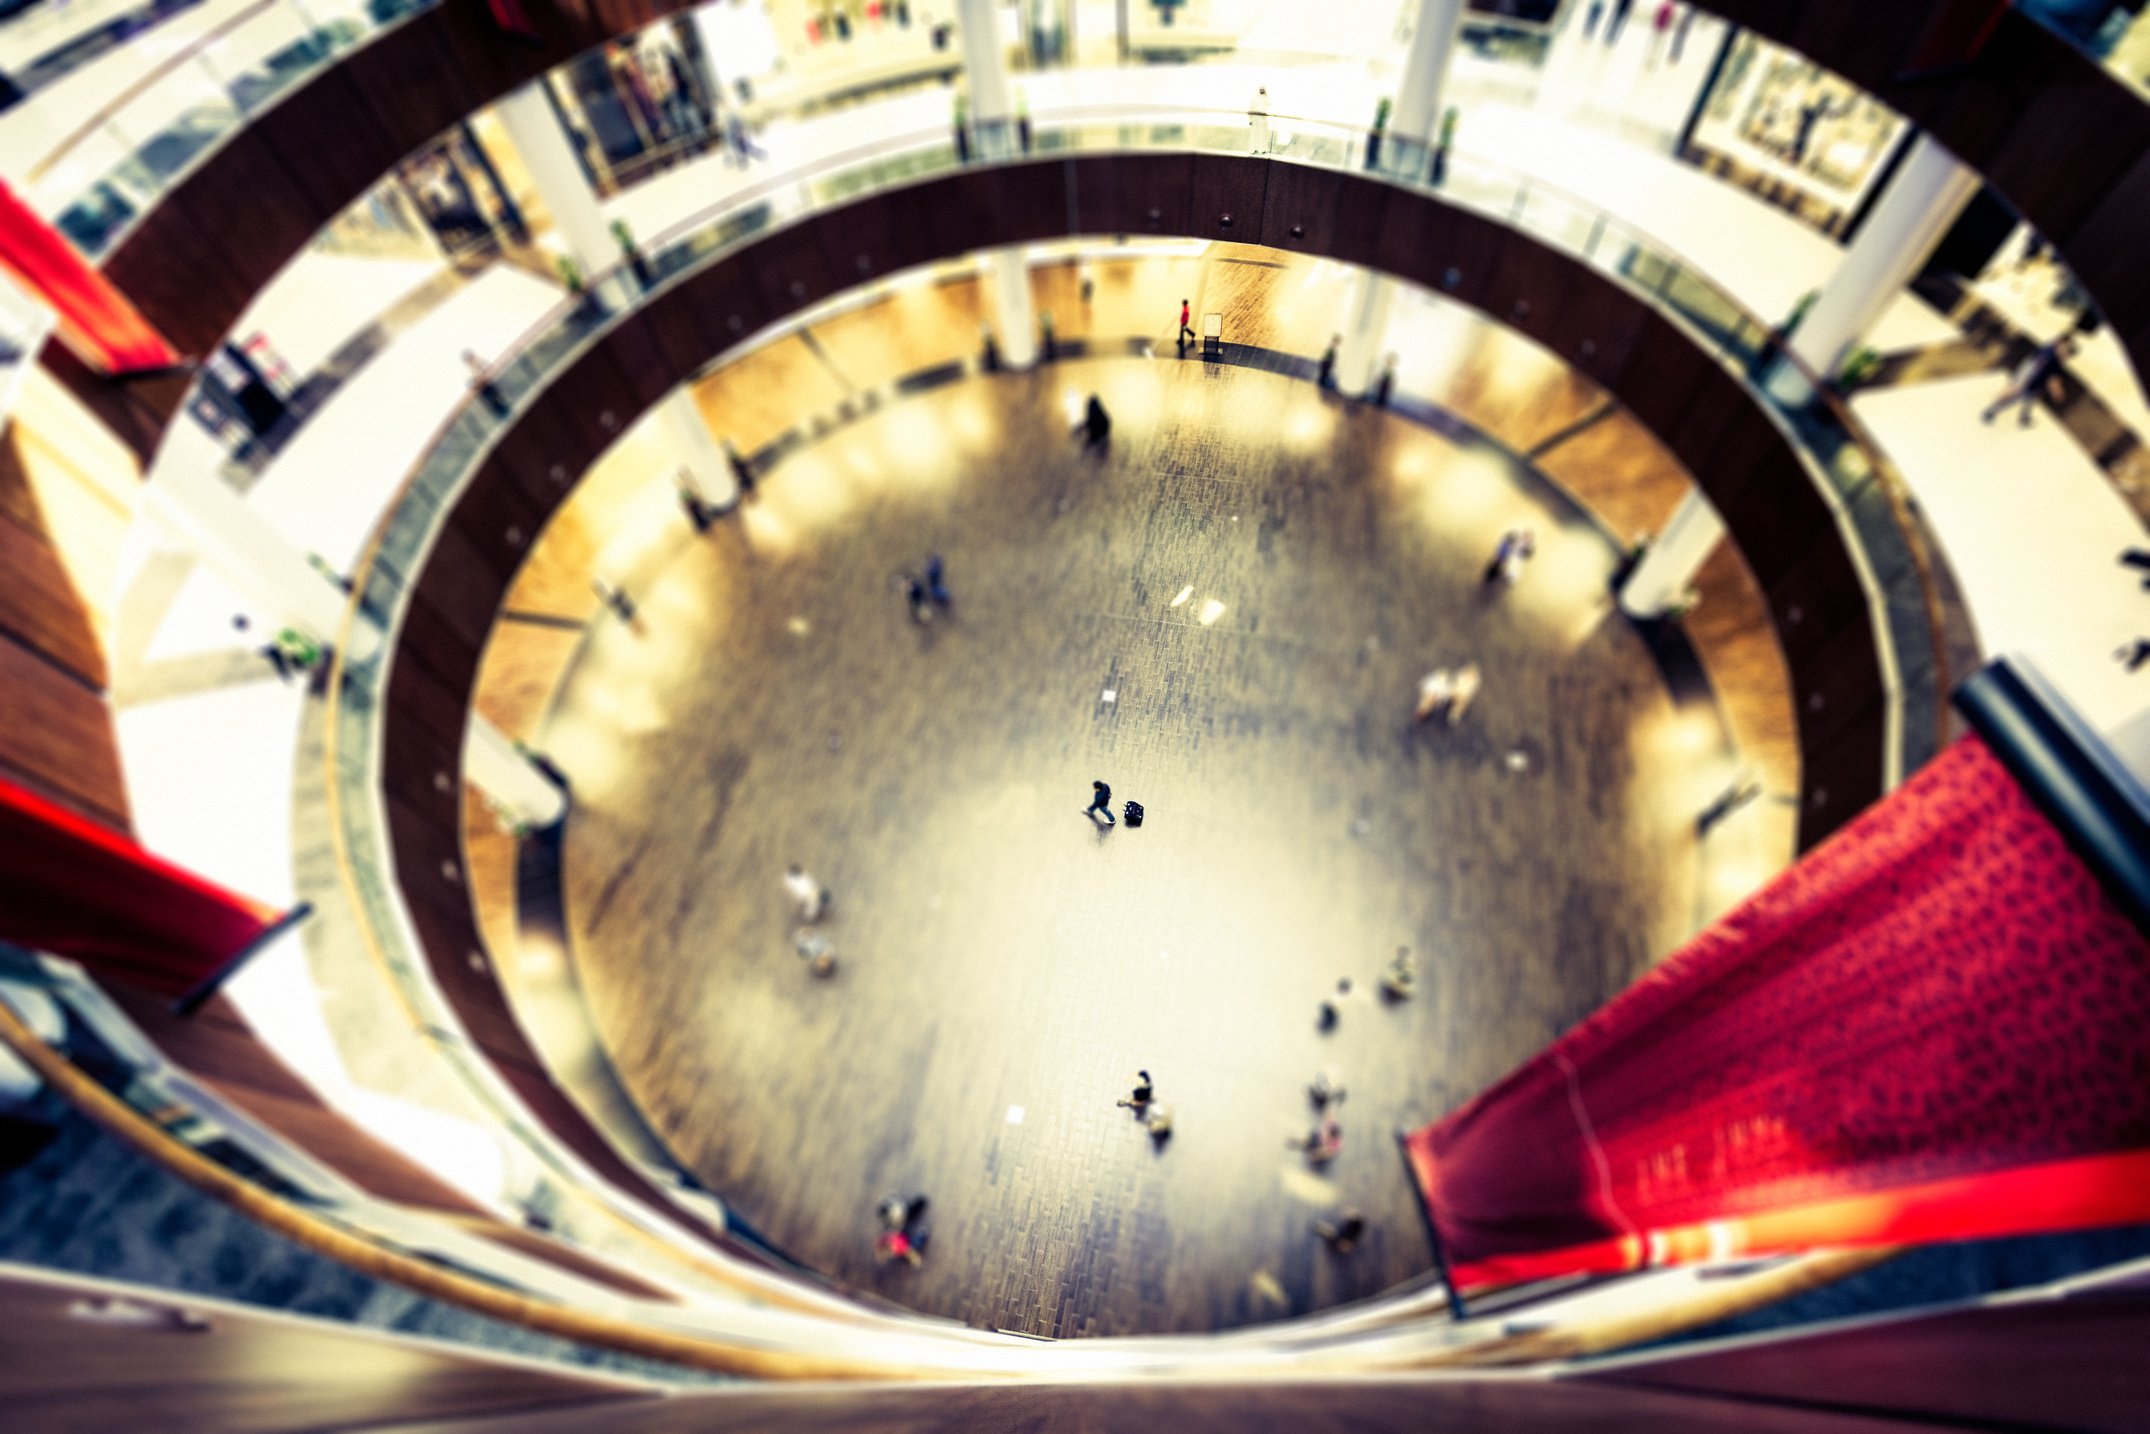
<point x="95" y="318"/>
<point x="1935" y="1026"/>
<point x="70" y="887"/>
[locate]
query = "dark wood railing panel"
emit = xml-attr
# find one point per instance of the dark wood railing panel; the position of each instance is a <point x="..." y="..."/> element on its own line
<point x="1815" y="598"/>
<point x="1227" y="197"/>
<point x="1835" y="777"/>
<point x="1134" y="194"/>
<point x="1833" y="686"/>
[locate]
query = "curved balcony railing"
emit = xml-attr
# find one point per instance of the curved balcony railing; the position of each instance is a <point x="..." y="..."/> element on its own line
<point x="1875" y="515"/>
<point x="118" y="162"/>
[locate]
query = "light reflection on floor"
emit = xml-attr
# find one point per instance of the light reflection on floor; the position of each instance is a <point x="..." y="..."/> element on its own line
<point x="773" y="702"/>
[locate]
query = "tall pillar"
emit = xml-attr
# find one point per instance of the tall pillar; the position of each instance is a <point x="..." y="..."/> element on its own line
<point x="1417" y="114"/>
<point x="1923" y="198"/>
<point x="248" y="551"/>
<point x="986" y="66"/>
<point x="498" y="768"/>
<point x="284" y="589"/>
<point x="1365" y="331"/>
<point x="689" y="435"/>
<point x="534" y="128"/>
<point x="1659" y="582"/>
<point x="1015" y="317"/>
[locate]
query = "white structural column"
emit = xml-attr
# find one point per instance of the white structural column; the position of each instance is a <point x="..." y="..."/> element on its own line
<point x="986" y="66"/>
<point x="1365" y="332"/>
<point x="248" y="551"/>
<point x="1417" y="115"/>
<point x="528" y="117"/>
<point x="1659" y="582"/>
<point x="1923" y="198"/>
<point x="284" y="590"/>
<point x="499" y="769"/>
<point x="1015" y="316"/>
<point x="688" y="435"/>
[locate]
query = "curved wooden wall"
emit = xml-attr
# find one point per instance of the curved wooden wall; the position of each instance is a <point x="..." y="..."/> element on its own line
<point x="1701" y="411"/>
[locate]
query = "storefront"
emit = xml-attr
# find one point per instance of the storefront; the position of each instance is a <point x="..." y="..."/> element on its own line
<point x="1806" y="140"/>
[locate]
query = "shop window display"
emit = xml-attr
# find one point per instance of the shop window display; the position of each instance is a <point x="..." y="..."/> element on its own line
<point x="638" y="105"/>
<point x="1802" y="138"/>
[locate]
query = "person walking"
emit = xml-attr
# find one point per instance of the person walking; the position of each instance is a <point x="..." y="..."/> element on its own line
<point x="1400" y="981"/>
<point x="623" y="606"/>
<point x="1468" y="680"/>
<point x="1660" y="31"/>
<point x="915" y="597"/>
<point x="903" y="1242"/>
<point x="937" y="580"/>
<point x="1385" y="384"/>
<point x="742" y="468"/>
<point x="1096" y="425"/>
<point x="1326" y="1089"/>
<point x="2040" y="373"/>
<point x="1100" y="804"/>
<point x="1325" y="371"/>
<point x="1329" y="1012"/>
<point x="1680" y="32"/>
<point x="815" y="950"/>
<point x="481" y="383"/>
<point x="1435" y="690"/>
<point x="1342" y="1236"/>
<point x="1617" y="22"/>
<point x="1323" y="1143"/>
<point x="1144" y="1092"/>
<point x="1186" y="328"/>
<point x="739" y="142"/>
<point x="1516" y="547"/>
<point x="1447" y="689"/>
<point x="702" y="513"/>
<point x="809" y="896"/>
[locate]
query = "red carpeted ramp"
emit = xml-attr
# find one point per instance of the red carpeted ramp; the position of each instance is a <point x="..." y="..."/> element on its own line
<point x="95" y="317"/>
<point x="1935" y="1026"/>
<point x="75" y="889"/>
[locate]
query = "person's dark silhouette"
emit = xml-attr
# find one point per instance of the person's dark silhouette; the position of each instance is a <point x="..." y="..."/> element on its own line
<point x="1100" y="804"/>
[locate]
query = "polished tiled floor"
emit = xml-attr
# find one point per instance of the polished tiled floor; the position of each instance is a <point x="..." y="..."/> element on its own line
<point x="1005" y="967"/>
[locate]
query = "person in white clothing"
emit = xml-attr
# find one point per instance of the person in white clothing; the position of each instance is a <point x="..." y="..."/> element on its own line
<point x="810" y="896"/>
<point x="1452" y="689"/>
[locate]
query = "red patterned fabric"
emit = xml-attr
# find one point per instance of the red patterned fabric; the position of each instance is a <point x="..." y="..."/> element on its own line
<point x="70" y="887"/>
<point x="1935" y="1026"/>
<point x="95" y="318"/>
